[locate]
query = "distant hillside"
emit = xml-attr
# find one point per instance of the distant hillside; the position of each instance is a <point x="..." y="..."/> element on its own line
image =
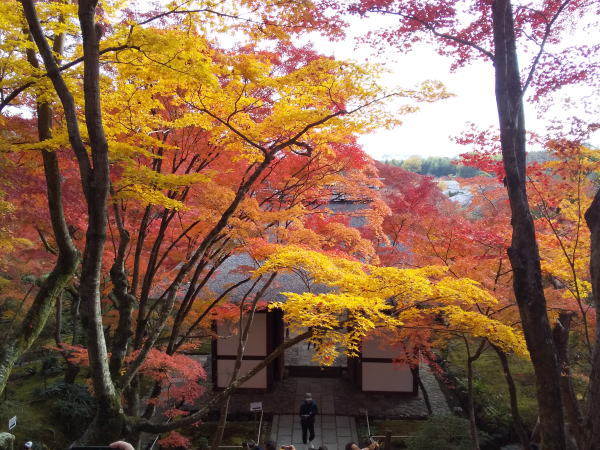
<point x="440" y="166"/>
<point x="437" y="166"/>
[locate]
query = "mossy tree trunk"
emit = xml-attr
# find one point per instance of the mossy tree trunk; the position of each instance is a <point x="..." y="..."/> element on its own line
<point x="109" y="422"/>
<point x="22" y="337"/>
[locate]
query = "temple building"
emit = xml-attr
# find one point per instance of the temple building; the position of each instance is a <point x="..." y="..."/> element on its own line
<point x="374" y="370"/>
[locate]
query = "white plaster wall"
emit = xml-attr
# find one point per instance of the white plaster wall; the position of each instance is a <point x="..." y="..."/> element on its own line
<point x="225" y="369"/>
<point x="257" y="338"/>
<point x="386" y="377"/>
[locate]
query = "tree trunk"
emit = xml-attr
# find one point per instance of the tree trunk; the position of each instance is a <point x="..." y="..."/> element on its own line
<point x="592" y="416"/>
<point x="23" y="336"/>
<point x="572" y="411"/>
<point x="244" y="332"/>
<point x="108" y="423"/>
<point x="471" y="358"/>
<point x="523" y="252"/>
<point x="122" y="297"/>
<point x="514" y="405"/>
<point x="471" y="405"/>
<point x="71" y="370"/>
<point x="220" y="431"/>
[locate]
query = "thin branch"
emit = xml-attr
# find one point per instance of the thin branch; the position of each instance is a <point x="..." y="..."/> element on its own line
<point x="61" y="89"/>
<point x="49" y="248"/>
<point x="207" y="310"/>
<point x="562" y="6"/>
<point x="435" y="32"/>
<point x="10" y="97"/>
<point x="146" y="425"/>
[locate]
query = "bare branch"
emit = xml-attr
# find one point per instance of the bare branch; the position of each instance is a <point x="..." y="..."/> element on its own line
<point x="10" y="97"/>
<point x="435" y="32"/>
<point x="561" y="8"/>
<point x="146" y="425"/>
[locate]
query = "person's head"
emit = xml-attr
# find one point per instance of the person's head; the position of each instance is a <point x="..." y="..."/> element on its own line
<point x="122" y="445"/>
<point x="352" y="446"/>
<point x="28" y="444"/>
<point x="308" y="397"/>
<point x="270" y="445"/>
<point x="323" y="447"/>
<point x="249" y="444"/>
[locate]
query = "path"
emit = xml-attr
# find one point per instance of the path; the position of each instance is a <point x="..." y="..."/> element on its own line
<point x="332" y="431"/>
<point x="338" y="399"/>
<point x="437" y="399"/>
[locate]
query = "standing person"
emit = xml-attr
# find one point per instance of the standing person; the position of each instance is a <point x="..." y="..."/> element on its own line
<point x="308" y="411"/>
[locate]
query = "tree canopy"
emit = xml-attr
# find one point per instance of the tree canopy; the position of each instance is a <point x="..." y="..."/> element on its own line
<point x="149" y="152"/>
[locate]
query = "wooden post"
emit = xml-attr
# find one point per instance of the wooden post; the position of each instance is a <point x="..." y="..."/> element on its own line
<point x="387" y="443"/>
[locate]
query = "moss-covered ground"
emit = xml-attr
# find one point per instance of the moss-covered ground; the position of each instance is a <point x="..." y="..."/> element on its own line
<point x="35" y="421"/>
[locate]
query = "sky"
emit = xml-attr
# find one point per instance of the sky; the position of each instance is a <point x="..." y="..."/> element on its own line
<point x="430" y="131"/>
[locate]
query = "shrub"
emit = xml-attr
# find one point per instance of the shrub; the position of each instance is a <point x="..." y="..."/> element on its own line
<point x="51" y="366"/>
<point x="442" y="433"/>
<point x="72" y="405"/>
<point x="201" y="443"/>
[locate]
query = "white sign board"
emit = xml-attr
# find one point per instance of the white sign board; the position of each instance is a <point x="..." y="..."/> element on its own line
<point x="12" y="422"/>
<point x="256" y="406"/>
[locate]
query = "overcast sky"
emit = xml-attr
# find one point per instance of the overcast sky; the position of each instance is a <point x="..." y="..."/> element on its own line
<point x="429" y="131"/>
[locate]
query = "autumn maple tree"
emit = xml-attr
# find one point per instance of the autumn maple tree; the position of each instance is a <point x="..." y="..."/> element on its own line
<point x="428" y="301"/>
<point x="469" y="239"/>
<point x="186" y="154"/>
<point x="561" y="188"/>
<point x="21" y="338"/>
<point x="177" y="156"/>
<point x="492" y="31"/>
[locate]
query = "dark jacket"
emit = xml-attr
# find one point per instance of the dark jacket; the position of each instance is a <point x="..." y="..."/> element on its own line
<point x="308" y="411"/>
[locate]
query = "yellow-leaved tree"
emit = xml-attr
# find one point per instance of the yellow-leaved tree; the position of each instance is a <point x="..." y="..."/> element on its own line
<point x="364" y="297"/>
<point x="151" y="78"/>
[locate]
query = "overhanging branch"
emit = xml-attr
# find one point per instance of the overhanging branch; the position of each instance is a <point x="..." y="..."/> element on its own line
<point x="147" y="426"/>
<point x="10" y="97"/>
